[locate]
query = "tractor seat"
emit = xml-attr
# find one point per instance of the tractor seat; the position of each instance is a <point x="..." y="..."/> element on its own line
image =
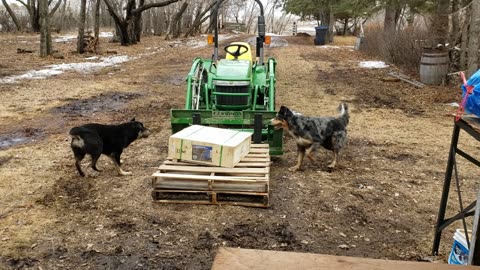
<point x="245" y="56"/>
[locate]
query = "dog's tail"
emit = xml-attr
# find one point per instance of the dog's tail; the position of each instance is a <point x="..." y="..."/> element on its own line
<point x="344" y="113"/>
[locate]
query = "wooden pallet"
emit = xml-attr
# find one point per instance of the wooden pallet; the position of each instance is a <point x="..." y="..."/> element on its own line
<point x="246" y="184"/>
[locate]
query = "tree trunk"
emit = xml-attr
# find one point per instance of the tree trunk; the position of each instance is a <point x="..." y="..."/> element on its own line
<point x="62" y="15"/>
<point x="96" y="27"/>
<point x="441" y="20"/>
<point x="331" y="23"/>
<point x="464" y="43"/>
<point x="81" y="27"/>
<point x="35" y="20"/>
<point x="345" y="26"/>
<point x="389" y="24"/>
<point x="473" y="41"/>
<point x="12" y="14"/>
<point x="45" y="39"/>
<point x="176" y="22"/>
<point x="455" y="23"/>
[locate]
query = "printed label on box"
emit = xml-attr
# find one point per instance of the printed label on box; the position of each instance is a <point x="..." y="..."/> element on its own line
<point x="202" y="153"/>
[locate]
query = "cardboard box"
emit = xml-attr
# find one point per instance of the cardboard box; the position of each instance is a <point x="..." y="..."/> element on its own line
<point x="210" y="146"/>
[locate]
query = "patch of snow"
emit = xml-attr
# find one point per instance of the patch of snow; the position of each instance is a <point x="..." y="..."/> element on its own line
<point x="92" y="58"/>
<point x="373" y="64"/>
<point x="105" y="34"/>
<point x="53" y="70"/>
<point x="68" y="38"/>
<point x="334" y="47"/>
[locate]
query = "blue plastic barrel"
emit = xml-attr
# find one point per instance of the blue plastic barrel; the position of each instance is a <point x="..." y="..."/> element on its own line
<point x="321" y="35"/>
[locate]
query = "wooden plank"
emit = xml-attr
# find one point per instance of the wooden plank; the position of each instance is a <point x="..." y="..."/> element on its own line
<point x="405" y="78"/>
<point x="257" y="155"/>
<point x="239" y="165"/>
<point x="259" y="150"/>
<point x="255" y="159"/>
<point x="214" y="200"/>
<point x="207" y="177"/>
<point x="259" y="145"/>
<point x="218" y="192"/>
<point x="261" y="205"/>
<point x="473" y="121"/>
<point x="240" y="259"/>
<point x="214" y="169"/>
<point x="256" y="187"/>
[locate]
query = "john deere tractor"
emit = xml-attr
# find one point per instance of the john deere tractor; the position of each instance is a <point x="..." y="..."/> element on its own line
<point x="237" y="92"/>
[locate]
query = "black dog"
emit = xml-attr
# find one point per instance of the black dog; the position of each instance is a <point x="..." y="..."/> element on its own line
<point x="312" y="132"/>
<point x="110" y="140"/>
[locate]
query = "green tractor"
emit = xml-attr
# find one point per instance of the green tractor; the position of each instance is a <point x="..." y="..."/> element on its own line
<point x="237" y="92"/>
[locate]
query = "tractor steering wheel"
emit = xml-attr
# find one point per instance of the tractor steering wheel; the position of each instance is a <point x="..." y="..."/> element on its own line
<point x="237" y="50"/>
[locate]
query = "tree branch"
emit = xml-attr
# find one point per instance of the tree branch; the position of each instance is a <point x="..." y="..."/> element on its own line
<point x="54" y="9"/>
<point x="12" y="14"/>
<point x="152" y="5"/>
<point x="113" y="12"/>
<point x="23" y="3"/>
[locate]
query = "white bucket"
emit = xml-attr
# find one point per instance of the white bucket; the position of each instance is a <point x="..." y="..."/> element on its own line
<point x="459" y="253"/>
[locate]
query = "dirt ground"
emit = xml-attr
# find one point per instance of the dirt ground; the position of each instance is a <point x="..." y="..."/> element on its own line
<point x="381" y="202"/>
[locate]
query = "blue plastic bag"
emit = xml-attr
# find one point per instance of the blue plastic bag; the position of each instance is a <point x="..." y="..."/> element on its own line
<point x="472" y="106"/>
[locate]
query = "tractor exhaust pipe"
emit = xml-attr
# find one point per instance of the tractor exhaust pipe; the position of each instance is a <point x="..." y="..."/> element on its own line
<point x="261" y="33"/>
<point x="215" y="35"/>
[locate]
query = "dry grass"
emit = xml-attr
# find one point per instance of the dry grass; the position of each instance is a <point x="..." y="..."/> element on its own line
<point x="404" y="48"/>
<point x="344" y="40"/>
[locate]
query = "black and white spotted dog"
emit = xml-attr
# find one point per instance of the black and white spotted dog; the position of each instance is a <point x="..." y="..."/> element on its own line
<point x="312" y="132"/>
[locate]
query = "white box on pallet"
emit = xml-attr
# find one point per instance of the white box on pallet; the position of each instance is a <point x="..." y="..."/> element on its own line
<point x="208" y="145"/>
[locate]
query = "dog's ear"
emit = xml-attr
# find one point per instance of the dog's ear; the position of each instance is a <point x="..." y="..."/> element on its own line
<point x="133" y="119"/>
<point x="285" y="111"/>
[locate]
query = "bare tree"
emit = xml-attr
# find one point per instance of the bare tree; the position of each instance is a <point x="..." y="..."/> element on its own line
<point x="34" y="12"/>
<point x="81" y="27"/>
<point x="473" y="40"/>
<point x="464" y="41"/>
<point x="45" y="37"/>
<point x="174" y="26"/>
<point x="62" y="15"/>
<point x="12" y="14"/>
<point x="96" y="24"/>
<point x="455" y="33"/>
<point x="441" y="20"/>
<point x="130" y="26"/>
<point x="252" y="10"/>
<point x="200" y="18"/>
<point x="392" y="13"/>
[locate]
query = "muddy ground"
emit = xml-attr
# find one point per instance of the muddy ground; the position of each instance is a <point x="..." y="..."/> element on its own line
<point x="381" y="202"/>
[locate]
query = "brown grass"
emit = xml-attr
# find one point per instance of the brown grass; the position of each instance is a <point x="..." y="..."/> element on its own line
<point x="344" y="40"/>
<point x="404" y="48"/>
